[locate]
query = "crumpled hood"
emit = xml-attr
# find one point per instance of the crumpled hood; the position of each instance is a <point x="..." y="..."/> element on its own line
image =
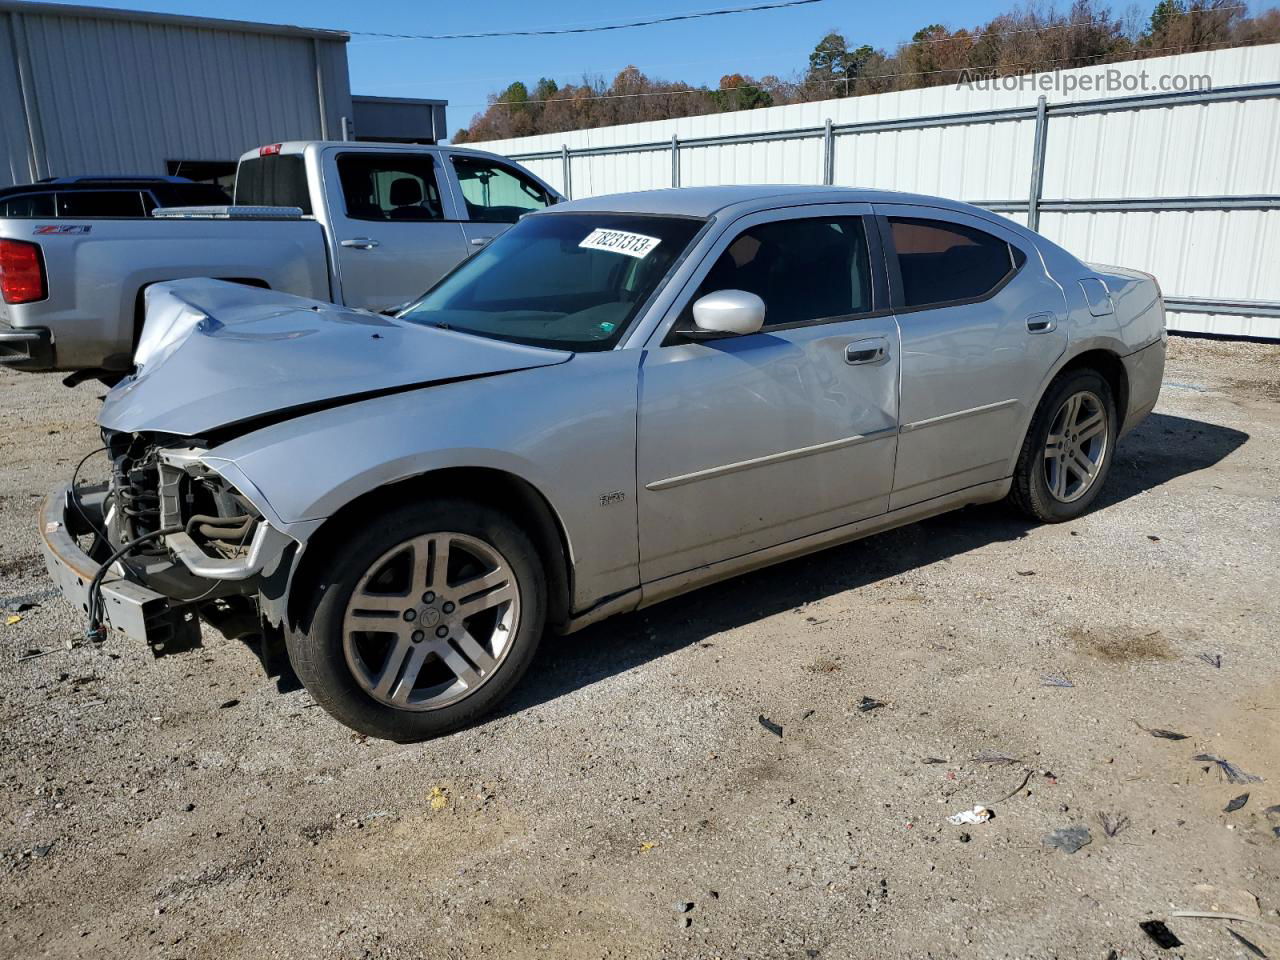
<point x="213" y="354"/>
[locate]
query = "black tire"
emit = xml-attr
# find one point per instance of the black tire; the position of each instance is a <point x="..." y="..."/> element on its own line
<point x="316" y="647"/>
<point x="1030" y="492"/>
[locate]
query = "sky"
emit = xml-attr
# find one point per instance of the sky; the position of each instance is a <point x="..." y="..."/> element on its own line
<point x="464" y="72"/>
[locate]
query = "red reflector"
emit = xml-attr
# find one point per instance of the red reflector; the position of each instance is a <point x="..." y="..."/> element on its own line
<point x="21" y="272"/>
<point x="270" y="150"/>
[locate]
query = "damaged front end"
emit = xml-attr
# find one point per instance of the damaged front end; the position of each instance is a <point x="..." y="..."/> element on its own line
<point x="164" y="543"/>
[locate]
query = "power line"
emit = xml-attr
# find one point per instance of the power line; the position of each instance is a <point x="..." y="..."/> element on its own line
<point x="673" y="18"/>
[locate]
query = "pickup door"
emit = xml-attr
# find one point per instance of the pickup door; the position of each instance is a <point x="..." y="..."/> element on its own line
<point x="396" y="227"/>
<point x="401" y="221"/>
<point x="492" y="195"/>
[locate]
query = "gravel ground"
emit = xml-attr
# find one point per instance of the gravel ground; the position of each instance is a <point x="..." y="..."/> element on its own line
<point x="629" y="802"/>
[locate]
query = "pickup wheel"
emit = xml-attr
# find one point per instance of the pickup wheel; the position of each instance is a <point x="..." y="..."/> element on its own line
<point x="1067" y="453"/>
<point x="426" y="618"/>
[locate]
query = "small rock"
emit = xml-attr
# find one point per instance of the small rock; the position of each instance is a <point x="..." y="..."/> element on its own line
<point x="233" y="702"/>
<point x="684" y="906"/>
<point x="1068" y="839"/>
<point x="965" y="838"/>
<point x="188" y="807"/>
<point x="41" y="851"/>
<point x="867" y="704"/>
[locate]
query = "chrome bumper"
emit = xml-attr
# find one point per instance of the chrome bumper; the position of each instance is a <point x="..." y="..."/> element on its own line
<point x="134" y="610"/>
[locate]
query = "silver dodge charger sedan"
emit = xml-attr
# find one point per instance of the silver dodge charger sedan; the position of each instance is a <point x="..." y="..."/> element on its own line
<point x="618" y="400"/>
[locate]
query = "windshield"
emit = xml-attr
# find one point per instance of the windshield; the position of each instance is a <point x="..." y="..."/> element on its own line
<point x="572" y="281"/>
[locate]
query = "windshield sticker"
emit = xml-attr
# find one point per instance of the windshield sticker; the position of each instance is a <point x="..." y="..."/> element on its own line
<point x="619" y="241"/>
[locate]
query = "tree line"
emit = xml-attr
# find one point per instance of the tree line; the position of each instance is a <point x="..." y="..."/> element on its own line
<point x="1026" y="40"/>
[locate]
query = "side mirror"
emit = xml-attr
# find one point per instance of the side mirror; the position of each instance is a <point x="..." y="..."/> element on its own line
<point x="726" y="313"/>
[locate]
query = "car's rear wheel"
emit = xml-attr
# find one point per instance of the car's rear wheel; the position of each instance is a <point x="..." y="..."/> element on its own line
<point x="427" y="618"/>
<point x="1067" y="453"/>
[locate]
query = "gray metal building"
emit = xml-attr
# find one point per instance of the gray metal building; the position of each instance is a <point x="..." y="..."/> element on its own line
<point x="87" y="90"/>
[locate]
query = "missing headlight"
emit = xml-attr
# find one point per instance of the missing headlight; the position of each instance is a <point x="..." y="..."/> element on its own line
<point x="200" y="501"/>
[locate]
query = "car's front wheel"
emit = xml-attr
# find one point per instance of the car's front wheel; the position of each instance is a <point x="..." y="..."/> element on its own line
<point x="1067" y="453"/>
<point x="427" y="618"/>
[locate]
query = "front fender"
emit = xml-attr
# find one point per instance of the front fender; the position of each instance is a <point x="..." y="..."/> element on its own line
<point x="567" y="430"/>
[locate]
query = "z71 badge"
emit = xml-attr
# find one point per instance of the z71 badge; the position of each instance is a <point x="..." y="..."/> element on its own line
<point x="47" y="228"/>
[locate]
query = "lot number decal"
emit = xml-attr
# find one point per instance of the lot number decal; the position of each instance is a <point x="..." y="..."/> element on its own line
<point x="619" y="241"/>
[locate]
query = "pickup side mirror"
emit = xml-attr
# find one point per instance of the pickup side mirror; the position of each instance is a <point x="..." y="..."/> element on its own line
<point x="726" y="313"/>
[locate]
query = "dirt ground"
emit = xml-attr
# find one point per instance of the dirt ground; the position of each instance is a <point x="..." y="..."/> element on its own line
<point x="628" y="802"/>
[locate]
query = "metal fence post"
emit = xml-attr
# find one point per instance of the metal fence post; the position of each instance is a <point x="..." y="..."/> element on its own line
<point x="675" y="160"/>
<point x="566" y="173"/>
<point x="828" y="154"/>
<point x="1037" y="164"/>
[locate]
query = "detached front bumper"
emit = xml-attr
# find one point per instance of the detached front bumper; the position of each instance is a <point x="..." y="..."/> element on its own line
<point x="134" y="610"/>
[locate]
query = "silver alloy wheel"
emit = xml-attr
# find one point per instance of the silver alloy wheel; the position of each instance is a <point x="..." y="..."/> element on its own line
<point x="1076" y="447"/>
<point x="431" y="620"/>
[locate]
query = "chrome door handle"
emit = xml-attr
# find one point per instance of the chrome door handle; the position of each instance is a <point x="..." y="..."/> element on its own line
<point x="480" y="241"/>
<point x="1042" y="323"/>
<point x="866" y="351"/>
<point x="360" y="243"/>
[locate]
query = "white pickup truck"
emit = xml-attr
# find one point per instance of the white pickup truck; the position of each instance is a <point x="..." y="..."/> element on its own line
<point x="362" y="224"/>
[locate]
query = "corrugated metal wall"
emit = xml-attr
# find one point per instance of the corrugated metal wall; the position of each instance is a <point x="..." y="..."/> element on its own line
<point x="1223" y="148"/>
<point x="108" y="94"/>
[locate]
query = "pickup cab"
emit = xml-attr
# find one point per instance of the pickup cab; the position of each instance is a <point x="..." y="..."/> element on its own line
<point x="363" y="225"/>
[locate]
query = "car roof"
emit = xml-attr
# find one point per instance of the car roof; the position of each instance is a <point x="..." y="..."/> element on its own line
<point x="709" y="201"/>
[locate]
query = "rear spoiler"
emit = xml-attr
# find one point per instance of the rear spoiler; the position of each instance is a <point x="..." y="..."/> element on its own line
<point x="228" y="213"/>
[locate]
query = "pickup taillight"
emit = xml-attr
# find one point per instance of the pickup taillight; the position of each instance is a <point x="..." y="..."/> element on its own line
<point x="22" y="277"/>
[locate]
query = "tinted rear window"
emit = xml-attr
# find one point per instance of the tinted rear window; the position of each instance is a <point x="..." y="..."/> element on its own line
<point x="943" y="262"/>
<point x="274" y="181"/>
<point x="28" y="205"/>
<point x="100" y="203"/>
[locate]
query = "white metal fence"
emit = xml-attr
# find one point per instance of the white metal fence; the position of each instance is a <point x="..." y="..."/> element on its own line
<point x="1184" y="184"/>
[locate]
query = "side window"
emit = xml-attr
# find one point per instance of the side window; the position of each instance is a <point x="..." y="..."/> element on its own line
<point x="389" y="186"/>
<point x="31" y="205"/>
<point x="803" y="270"/>
<point x="942" y="262"/>
<point x="497" y="194"/>
<point x="100" y="203"/>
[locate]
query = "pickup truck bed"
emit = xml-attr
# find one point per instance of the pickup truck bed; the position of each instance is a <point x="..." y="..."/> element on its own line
<point x="97" y="271"/>
<point x="365" y="225"/>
